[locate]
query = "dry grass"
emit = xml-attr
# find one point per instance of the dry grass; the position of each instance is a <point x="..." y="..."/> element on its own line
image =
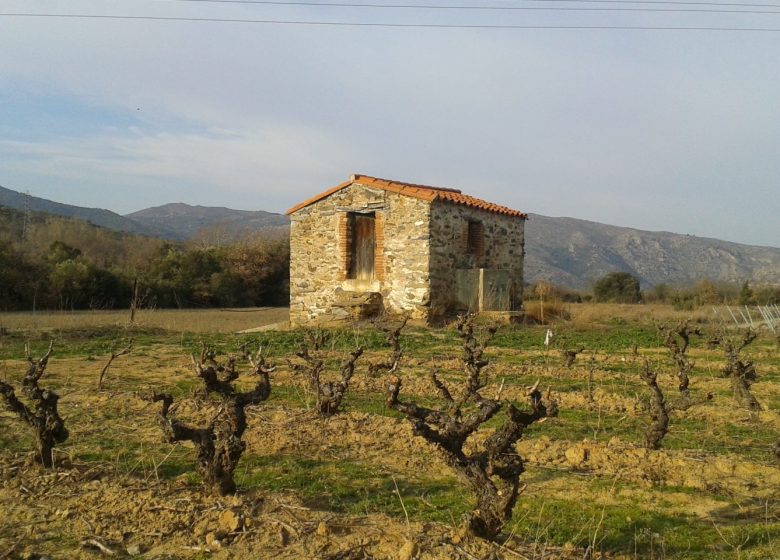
<point x="233" y="320"/>
<point x="176" y="320"/>
<point x="589" y="313"/>
<point x="553" y="311"/>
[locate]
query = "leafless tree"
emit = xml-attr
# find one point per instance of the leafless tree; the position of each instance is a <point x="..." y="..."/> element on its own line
<point x="542" y="289"/>
<point x="134" y="303"/>
<point x="219" y="443"/>
<point x="41" y="413"/>
<point x="493" y="473"/>
<point x="568" y="354"/>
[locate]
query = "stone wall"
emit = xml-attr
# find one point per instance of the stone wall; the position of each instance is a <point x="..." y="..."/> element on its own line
<point x="502" y="248"/>
<point x="320" y="248"/>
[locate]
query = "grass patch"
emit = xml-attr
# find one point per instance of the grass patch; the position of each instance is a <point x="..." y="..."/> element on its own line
<point x="634" y="528"/>
<point x="354" y="488"/>
<point x="604" y="338"/>
<point x="15" y="436"/>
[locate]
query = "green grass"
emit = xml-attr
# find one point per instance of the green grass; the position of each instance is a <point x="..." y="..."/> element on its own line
<point x="578" y="424"/>
<point x="93" y="342"/>
<point x="130" y="456"/>
<point x="15" y="436"/>
<point x="751" y="440"/>
<point x="634" y="528"/>
<point x="625" y="524"/>
<point x="625" y="527"/>
<point x="604" y="338"/>
<point x="354" y="488"/>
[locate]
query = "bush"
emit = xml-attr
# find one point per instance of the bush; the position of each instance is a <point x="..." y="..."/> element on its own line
<point x="617" y="287"/>
<point x="767" y="295"/>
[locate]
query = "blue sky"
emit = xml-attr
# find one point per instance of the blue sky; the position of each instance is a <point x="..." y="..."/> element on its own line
<point x="658" y="130"/>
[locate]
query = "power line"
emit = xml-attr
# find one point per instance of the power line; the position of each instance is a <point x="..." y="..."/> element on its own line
<point x="392" y="25"/>
<point x="702" y="10"/>
<point x="484" y="8"/>
<point x="672" y="2"/>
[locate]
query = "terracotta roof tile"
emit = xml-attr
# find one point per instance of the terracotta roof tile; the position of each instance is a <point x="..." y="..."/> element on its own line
<point x="423" y="192"/>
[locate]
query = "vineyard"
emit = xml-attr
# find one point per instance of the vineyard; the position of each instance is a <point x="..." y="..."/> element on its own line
<point x="632" y="432"/>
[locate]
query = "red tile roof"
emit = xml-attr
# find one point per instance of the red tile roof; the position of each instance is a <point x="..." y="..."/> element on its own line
<point x="423" y="192"/>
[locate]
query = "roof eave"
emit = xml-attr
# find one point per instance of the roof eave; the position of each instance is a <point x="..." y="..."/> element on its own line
<point x="319" y="197"/>
<point x="428" y="194"/>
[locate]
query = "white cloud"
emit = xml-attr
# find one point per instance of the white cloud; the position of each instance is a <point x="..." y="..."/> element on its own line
<point x="255" y="167"/>
<point x="654" y="130"/>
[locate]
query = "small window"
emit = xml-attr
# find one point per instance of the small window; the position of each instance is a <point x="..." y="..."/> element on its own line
<point x="475" y="239"/>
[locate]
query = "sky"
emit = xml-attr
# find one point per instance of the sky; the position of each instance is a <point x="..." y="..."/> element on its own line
<point x="675" y="130"/>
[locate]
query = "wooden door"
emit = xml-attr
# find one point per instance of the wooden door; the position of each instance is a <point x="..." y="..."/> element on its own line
<point x="363" y="243"/>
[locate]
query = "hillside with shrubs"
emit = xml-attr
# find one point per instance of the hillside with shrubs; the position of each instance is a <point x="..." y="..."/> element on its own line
<point x="50" y="262"/>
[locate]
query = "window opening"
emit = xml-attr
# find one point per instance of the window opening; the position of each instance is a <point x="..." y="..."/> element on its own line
<point x="475" y="239"/>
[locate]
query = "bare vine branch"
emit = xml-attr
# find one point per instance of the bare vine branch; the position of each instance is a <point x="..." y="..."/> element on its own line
<point x="492" y="473"/>
<point x="114" y="355"/>
<point x="569" y="355"/>
<point x="328" y="394"/>
<point x="393" y="339"/>
<point x="219" y="443"/>
<point x="741" y="373"/>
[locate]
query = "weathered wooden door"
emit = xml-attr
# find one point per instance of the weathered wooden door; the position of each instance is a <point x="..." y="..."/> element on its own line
<point x="363" y="243"/>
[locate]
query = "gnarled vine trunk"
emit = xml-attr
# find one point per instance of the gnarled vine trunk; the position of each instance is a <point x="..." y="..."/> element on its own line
<point x="677" y="340"/>
<point x="659" y="411"/>
<point x="492" y="474"/>
<point x="43" y="417"/>
<point x="741" y="373"/>
<point x="219" y="444"/>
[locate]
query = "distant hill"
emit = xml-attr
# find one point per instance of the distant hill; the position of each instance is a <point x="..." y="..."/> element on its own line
<point x="574" y="253"/>
<point x="178" y="221"/>
<point x="33" y="233"/>
<point x="182" y="221"/>
<point x="96" y="216"/>
<point x="566" y="251"/>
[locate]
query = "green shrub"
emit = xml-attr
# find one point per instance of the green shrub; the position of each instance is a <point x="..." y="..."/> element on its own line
<point x="617" y="287"/>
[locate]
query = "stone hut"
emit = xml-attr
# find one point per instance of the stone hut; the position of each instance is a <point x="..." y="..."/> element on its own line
<point x="371" y="246"/>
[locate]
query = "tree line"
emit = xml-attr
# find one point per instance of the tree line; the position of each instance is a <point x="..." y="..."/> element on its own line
<point x="48" y="262"/>
<point x="623" y="287"/>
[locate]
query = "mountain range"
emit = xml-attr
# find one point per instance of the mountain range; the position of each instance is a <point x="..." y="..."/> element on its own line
<point x="96" y="216"/>
<point x="181" y="221"/>
<point x="565" y="251"/>
<point x="575" y="253"/>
